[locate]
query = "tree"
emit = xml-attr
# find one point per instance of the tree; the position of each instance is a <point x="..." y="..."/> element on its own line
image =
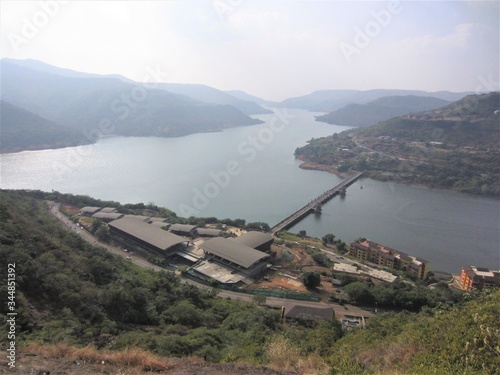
<point x="102" y="234"/>
<point x="328" y="239"/>
<point x="360" y="293"/>
<point x="302" y="233"/>
<point x="259" y="299"/>
<point x="341" y="247"/>
<point x="311" y="279"/>
<point x="322" y="259"/>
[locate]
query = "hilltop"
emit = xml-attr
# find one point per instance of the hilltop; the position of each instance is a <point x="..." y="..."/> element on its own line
<point x="380" y="109"/>
<point x="454" y="147"/>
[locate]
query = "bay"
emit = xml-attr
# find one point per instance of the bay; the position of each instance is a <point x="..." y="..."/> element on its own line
<point x="251" y="173"/>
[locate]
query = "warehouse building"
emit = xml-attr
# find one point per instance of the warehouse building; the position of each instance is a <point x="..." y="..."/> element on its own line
<point x="143" y="218"/>
<point x="306" y="313"/>
<point x="183" y="229"/>
<point x="89" y="211"/>
<point x="256" y="240"/>
<point x="107" y="216"/>
<point x="239" y="257"/>
<point x="146" y="236"/>
<point x="209" y="232"/>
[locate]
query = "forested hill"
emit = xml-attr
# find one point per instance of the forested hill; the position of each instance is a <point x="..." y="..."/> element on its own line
<point x="70" y="293"/>
<point x="112" y="106"/>
<point x="455" y="147"/>
<point x="380" y="110"/>
<point x="23" y="130"/>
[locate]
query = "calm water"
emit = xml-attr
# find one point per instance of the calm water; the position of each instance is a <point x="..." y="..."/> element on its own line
<point x="251" y="173"/>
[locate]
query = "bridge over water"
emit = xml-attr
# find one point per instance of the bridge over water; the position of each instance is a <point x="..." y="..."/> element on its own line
<point x="314" y="204"/>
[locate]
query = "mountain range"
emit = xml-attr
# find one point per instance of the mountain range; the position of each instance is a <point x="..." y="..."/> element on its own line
<point x="452" y="147"/>
<point x="380" y="109"/>
<point x="92" y="105"/>
<point x="331" y="100"/>
<point x="112" y="105"/>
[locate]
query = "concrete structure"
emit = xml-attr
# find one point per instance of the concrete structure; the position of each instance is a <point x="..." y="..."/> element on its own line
<point x="146" y="236"/>
<point x="256" y="240"/>
<point x="386" y="257"/>
<point x="236" y="256"/>
<point x="473" y="277"/>
<point x="306" y="313"/>
<point x="183" y="229"/>
<point x="221" y="273"/>
<point x="107" y="216"/>
<point x="89" y="211"/>
<point x="350" y="322"/>
<point x="315" y="204"/>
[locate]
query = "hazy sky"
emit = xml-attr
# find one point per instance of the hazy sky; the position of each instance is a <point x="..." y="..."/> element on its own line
<point x="272" y="49"/>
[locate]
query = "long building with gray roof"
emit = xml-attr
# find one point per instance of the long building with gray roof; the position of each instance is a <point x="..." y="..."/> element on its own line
<point x="237" y="255"/>
<point x="146" y="235"/>
<point x="257" y="240"/>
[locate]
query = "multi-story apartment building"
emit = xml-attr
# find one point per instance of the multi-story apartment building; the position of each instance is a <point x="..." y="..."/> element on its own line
<point x="473" y="277"/>
<point x="386" y="257"/>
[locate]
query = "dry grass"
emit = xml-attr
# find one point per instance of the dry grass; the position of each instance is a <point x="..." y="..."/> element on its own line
<point x="131" y="357"/>
<point x="389" y="358"/>
<point x="284" y="356"/>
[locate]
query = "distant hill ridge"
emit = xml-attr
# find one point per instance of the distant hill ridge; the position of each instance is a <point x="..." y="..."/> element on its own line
<point x="23" y="130"/>
<point x="452" y="147"/>
<point x="111" y="105"/>
<point x="380" y="109"/>
<point x="471" y="121"/>
<point x="332" y="100"/>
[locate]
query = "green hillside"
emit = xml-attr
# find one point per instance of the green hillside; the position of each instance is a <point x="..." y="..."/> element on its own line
<point x="71" y="293"/>
<point x="23" y="130"/>
<point x="381" y="109"/>
<point x="453" y="147"/>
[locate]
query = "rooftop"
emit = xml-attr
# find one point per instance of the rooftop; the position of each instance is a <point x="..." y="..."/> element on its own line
<point x="234" y="252"/>
<point x="186" y="228"/>
<point x="308" y="312"/>
<point x="90" y="209"/>
<point x="107" y="215"/>
<point x="150" y="234"/>
<point x="254" y="239"/>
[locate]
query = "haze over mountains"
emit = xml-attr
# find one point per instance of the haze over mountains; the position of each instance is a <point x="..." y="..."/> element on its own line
<point x="111" y="105"/>
<point x="24" y="130"/>
<point x="80" y="107"/>
<point x="380" y="110"/>
<point x="331" y="100"/>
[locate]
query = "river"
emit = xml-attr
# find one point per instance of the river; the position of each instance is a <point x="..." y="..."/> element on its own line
<point x="251" y="173"/>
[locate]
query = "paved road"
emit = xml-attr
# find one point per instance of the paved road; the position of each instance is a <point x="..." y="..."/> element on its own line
<point x="141" y="262"/>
